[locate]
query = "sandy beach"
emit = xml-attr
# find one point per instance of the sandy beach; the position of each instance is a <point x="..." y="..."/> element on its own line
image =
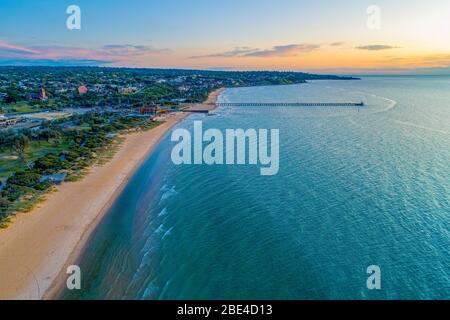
<point x="39" y="245"/>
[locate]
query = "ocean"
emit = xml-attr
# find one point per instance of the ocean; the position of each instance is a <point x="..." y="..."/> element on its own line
<point x="356" y="187"/>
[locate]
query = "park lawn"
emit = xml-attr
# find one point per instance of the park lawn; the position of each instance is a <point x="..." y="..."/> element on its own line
<point x="10" y="164"/>
<point x="20" y="107"/>
<point x="83" y="126"/>
<point x="25" y="107"/>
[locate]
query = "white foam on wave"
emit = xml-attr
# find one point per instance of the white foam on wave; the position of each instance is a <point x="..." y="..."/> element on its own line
<point x="167" y="194"/>
<point x="160" y="228"/>
<point x="150" y="292"/>
<point x="167" y="233"/>
<point x="163" y="212"/>
<point x="148" y="246"/>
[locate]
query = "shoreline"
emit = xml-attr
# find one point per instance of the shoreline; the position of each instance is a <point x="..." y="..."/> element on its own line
<point x="39" y="245"/>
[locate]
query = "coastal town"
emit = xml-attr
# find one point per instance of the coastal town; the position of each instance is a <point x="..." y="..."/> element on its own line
<point x="56" y="122"/>
<point x="215" y="159"/>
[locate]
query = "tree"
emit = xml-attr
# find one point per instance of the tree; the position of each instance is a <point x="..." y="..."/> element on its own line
<point x="49" y="134"/>
<point x="21" y="144"/>
<point x="12" y="95"/>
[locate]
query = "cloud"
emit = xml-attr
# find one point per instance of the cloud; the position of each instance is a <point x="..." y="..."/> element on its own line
<point x="57" y="55"/>
<point x="430" y="60"/>
<point x="376" y="47"/>
<point x="289" y="50"/>
<point x="54" y="63"/>
<point x="14" y="49"/>
<point x="236" y="52"/>
<point x="129" y="49"/>
<point x="444" y="70"/>
<point x="435" y="59"/>
<point x="337" y="44"/>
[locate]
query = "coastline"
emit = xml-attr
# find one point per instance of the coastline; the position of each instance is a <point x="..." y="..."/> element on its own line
<point x="38" y="246"/>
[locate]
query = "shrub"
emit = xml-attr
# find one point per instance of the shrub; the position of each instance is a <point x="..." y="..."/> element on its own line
<point x="42" y="186"/>
<point x="12" y="193"/>
<point x="4" y="204"/>
<point x="48" y="163"/>
<point x="25" y="179"/>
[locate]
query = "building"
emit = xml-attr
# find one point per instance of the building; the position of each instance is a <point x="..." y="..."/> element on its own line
<point x="6" y="122"/>
<point x="128" y="90"/>
<point x="43" y="95"/>
<point x="162" y="111"/>
<point x="82" y="89"/>
<point x="150" y="109"/>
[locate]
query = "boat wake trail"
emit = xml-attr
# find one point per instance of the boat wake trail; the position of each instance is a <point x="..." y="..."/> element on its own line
<point x="392" y="103"/>
<point x="409" y="124"/>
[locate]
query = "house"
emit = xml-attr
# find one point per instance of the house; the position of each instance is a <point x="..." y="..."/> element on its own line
<point x="128" y="90"/>
<point x="82" y="89"/>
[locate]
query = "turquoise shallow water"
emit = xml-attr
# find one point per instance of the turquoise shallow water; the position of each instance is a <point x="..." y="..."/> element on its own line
<point x="356" y="187"/>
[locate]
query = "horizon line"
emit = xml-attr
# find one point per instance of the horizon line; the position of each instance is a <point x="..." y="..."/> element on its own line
<point x="400" y="72"/>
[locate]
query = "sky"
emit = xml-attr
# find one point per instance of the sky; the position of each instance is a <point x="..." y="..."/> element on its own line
<point x="323" y="36"/>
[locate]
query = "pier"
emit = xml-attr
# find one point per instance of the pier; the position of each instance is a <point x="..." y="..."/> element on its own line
<point x="288" y="104"/>
<point x="195" y="110"/>
<point x="207" y="106"/>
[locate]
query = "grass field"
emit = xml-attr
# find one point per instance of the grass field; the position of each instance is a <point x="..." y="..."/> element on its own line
<point x="20" y="107"/>
<point x="25" y="107"/>
<point x="9" y="163"/>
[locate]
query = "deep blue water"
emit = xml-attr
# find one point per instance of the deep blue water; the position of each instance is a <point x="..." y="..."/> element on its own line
<point x="356" y="187"/>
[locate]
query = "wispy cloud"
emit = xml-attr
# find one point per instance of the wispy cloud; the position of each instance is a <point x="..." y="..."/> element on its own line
<point x="289" y="50"/>
<point x="376" y="47"/>
<point x="129" y="49"/>
<point x="54" y="63"/>
<point x="337" y="44"/>
<point x="236" y="52"/>
<point x="58" y="54"/>
<point x="7" y="48"/>
<point x="434" y="60"/>
<point x="444" y="70"/>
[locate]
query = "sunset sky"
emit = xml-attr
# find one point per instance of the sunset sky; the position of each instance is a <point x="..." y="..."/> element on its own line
<point x="316" y="36"/>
